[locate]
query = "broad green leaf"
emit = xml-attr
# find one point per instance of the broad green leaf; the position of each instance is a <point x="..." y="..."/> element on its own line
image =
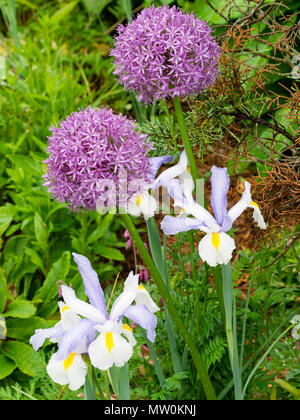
<point x="35" y="258"/>
<point x="20" y="308"/>
<point x="100" y="231"/>
<point x="23" y="329"/>
<point x="49" y="290"/>
<point x="6" y="217"/>
<point x="7" y="366"/>
<point x="4" y="226"/>
<point x="40" y="230"/>
<point x="29" y="166"/>
<point x="109" y="253"/>
<point x="7" y="212"/>
<point x="25" y="357"/>
<point x="13" y="229"/>
<point x="120" y="381"/>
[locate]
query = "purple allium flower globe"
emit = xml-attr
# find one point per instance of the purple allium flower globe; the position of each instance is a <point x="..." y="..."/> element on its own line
<point x="93" y="145"/>
<point x="165" y="52"/>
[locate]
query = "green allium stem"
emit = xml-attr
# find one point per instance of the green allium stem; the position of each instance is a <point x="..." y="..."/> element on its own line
<point x="167" y="111"/>
<point x="186" y="140"/>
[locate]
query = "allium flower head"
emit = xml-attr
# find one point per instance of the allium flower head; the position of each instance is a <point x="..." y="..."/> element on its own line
<point x="90" y="146"/>
<point x="165" y="52"/>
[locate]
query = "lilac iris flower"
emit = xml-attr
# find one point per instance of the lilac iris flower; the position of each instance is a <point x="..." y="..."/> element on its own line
<point x="216" y="246"/>
<point x="102" y="336"/>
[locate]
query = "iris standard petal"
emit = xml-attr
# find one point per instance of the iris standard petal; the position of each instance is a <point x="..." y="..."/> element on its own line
<point x="172" y="172"/>
<point x="143" y="317"/>
<point x="187" y="184"/>
<point x="68" y="318"/>
<point x="127" y="331"/>
<point x="156" y="162"/>
<point x="80" y="307"/>
<point x="202" y="215"/>
<point x="126" y="297"/>
<point x="219" y="188"/>
<point x="143" y="298"/>
<point x="257" y="216"/>
<point x="172" y="225"/>
<point x="91" y="283"/>
<point x="242" y="204"/>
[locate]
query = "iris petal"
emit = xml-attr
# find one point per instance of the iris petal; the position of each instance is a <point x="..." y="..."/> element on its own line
<point x="91" y="282"/>
<point x="219" y="188"/>
<point x="143" y="317"/>
<point x="172" y="225"/>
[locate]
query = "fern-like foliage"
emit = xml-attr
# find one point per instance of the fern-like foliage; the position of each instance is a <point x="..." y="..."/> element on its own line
<point x="214" y="350"/>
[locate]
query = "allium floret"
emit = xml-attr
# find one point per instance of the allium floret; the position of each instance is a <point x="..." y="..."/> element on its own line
<point x="165" y="52"/>
<point x="90" y="146"/>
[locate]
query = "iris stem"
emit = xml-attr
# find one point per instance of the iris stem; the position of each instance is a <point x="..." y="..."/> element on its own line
<point x="107" y="393"/>
<point x="218" y="279"/>
<point x="193" y="250"/>
<point x="181" y="328"/>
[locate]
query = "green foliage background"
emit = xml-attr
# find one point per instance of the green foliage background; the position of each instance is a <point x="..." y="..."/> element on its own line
<point x="54" y="60"/>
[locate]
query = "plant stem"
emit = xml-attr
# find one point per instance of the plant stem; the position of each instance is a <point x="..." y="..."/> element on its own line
<point x="158" y="369"/>
<point x="193" y="250"/>
<point x="186" y="140"/>
<point x="218" y="279"/>
<point x="200" y="366"/>
<point x="167" y="111"/>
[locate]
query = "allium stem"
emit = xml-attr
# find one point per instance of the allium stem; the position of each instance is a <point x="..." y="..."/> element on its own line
<point x="167" y="111"/>
<point x="200" y="366"/>
<point x="186" y="139"/>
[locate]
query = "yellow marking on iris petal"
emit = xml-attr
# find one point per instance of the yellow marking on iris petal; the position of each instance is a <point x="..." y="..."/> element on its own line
<point x="65" y="308"/>
<point x="141" y="287"/>
<point x="182" y="211"/>
<point x="138" y="199"/>
<point x="126" y="327"/>
<point x="254" y="204"/>
<point x="188" y="169"/>
<point x="109" y="341"/>
<point x="69" y="360"/>
<point x="215" y="239"/>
